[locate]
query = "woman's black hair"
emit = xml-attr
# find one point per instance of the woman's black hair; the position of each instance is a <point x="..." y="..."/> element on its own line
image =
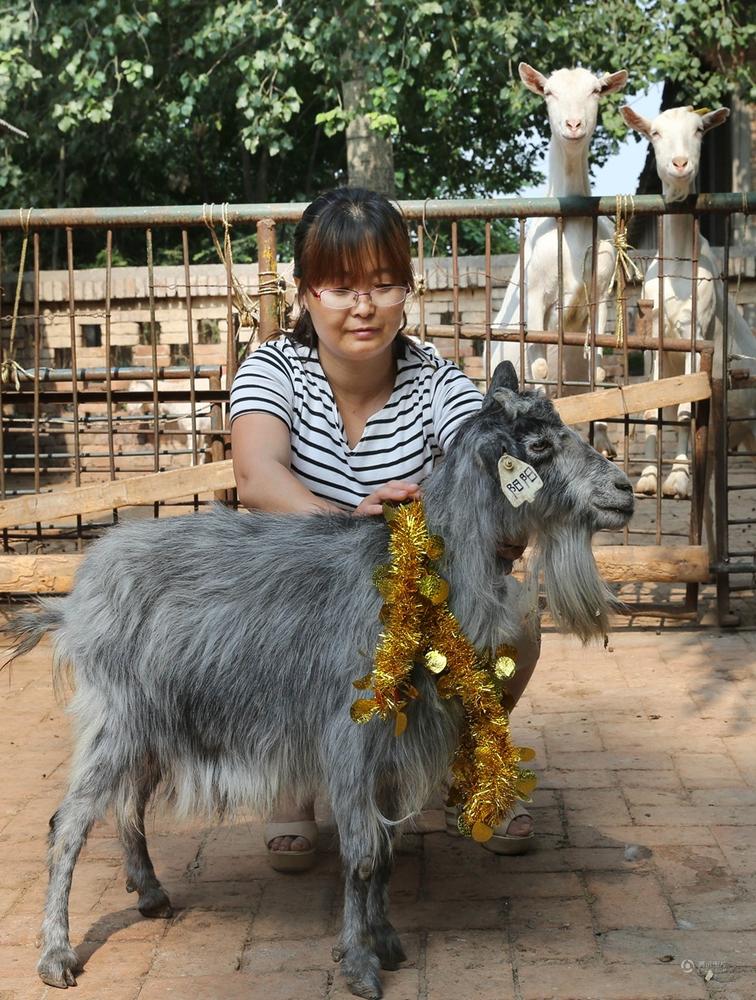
<point x="343" y="234"/>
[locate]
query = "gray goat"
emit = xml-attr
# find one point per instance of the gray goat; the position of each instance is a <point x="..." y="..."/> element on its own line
<point x="214" y="655"/>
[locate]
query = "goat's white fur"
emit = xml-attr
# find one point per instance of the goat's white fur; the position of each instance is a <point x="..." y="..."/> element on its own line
<point x="676" y="136"/>
<point x="572" y="97"/>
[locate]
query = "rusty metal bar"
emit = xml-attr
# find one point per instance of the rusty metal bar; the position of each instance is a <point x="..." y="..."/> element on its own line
<point x="108" y="377"/>
<point x="3" y="493"/>
<point x="593" y="305"/>
<point x="488" y="303"/>
<point x="424" y="286"/>
<point x="721" y="504"/>
<point x="190" y="341"/>
<point x="455" y="289"/>
<point x="521" y="277"/>
<point x="72" y="331"/>
<point x="37" y="352"/>
<point x="122" y="374"/>
<point x="660" y="334"/>
<point x="453" y="208"/>
<point x="153" y="350"/>
<point x="560" y="304"/>
<point x="478" y="331"/>
<point x="266" y="277"/>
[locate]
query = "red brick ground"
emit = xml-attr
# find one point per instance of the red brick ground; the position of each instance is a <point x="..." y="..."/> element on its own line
<point x="640" y="886"/>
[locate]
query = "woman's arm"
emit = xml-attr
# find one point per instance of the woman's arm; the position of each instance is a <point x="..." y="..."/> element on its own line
<point x="261" y="449"/>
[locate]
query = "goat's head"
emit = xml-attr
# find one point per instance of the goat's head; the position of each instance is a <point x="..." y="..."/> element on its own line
<point x="676" y="136"/>
<point x="572" y="97"/>
<point x="582" y="492"/>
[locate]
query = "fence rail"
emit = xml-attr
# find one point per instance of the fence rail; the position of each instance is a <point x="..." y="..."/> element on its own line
<point x="414" y="211"/>
<point x="66" y="412"/>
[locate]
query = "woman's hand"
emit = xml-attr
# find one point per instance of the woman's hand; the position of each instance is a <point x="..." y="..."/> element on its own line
<point x="395" y="491"/>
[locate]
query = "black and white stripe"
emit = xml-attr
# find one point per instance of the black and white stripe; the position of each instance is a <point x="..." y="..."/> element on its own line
<point x="403" y="440"/>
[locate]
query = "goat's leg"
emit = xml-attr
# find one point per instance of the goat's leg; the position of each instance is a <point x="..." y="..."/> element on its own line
<point x="386" y="941"/>
<point x="601" y="440"/>
<point x="89" y="794"/>
<point x="140" y="874"/>
<point x="365" y="876"/>
<point x="677" y="484"/>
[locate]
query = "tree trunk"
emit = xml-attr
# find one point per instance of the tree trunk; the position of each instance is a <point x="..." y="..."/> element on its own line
<point x="370" y="156"/>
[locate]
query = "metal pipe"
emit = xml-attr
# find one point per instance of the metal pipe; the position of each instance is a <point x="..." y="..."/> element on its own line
<point x="478" y="330"/>
<point x="453" y="208"/>
<point x="125" y="374"/>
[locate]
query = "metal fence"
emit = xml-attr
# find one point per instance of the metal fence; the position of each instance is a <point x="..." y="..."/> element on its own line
<point x="73" y="424"/>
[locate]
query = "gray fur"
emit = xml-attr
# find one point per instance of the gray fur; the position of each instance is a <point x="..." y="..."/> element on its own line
<point x="213" y="655"/>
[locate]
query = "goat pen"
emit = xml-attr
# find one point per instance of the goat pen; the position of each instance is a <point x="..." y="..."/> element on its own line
<point x="71" y="431"/>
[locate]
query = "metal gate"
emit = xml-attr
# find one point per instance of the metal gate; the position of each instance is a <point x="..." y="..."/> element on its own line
<point x="116" y="369"/>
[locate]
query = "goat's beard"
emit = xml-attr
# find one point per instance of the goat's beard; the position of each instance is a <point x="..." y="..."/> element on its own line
<point x="577" y="597"/>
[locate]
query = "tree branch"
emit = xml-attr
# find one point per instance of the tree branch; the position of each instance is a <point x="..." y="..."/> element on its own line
<point x="12" y="128"/>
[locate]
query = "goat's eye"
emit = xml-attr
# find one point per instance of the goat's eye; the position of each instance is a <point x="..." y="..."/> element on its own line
<point x="539" y="446"/>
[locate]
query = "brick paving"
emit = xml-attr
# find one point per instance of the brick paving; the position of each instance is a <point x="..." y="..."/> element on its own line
<point x="641" y="886"/>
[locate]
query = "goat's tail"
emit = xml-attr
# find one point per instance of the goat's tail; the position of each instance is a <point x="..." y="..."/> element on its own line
<point x="25" y="629"/>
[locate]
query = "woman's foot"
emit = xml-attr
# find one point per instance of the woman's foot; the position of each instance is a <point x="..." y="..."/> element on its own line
<point x="291" y="838"/>
<point x="513" y="835"/>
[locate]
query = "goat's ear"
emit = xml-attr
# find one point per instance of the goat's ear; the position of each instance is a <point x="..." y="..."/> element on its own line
<point x="612" y="82"/>
<point x="636" y="121"/>
<point x="503" y="392"/>
<point x="532" y="79"/>
<point x="713" y="118"/>
<point x="504" y="377"/>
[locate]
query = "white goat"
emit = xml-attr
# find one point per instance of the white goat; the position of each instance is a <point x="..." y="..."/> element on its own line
<point x="676" y="136"/>
<point x="572" y="98"/>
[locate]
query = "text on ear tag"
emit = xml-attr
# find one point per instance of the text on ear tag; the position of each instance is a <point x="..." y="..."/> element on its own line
<point x="519" y="481"/>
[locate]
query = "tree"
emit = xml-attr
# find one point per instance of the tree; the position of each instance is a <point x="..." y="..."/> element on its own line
<point x="175" y="101"/>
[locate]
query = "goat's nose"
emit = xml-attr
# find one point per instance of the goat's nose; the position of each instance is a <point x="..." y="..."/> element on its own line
<point x="680" y="162"/>
<point x="623" y="484"/>
<point x="574" y="124"/>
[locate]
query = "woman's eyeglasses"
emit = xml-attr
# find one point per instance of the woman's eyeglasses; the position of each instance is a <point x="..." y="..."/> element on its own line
<point x="347" y="298"/>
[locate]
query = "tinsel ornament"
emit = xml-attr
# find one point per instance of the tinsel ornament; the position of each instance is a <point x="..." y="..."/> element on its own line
<point x="419" y="628"/>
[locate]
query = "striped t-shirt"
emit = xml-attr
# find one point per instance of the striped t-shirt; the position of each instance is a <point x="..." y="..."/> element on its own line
<point x="403" y="440"/>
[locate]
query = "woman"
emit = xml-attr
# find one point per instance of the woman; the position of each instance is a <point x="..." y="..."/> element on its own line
<point x="346" y="412"/>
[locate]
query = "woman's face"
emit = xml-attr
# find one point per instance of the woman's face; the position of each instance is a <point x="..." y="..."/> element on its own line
<point x="363" y="331"/>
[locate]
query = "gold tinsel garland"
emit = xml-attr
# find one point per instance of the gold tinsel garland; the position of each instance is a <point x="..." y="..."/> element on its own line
<point x="420" y="628"/>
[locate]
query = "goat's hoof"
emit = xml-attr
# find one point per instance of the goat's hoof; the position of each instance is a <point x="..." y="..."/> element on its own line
<point x="337" y="952"/>
<point x="58" y="967"/>
<point x="155" y="903"/>
<point x="677" y="485"/>
<point x="361" y="971"/>
<point x="368" y="987"/>
<point x="389" y="949"/>
<point x="647" y="484"/>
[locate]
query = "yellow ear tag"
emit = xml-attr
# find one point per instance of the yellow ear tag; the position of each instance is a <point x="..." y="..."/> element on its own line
<point x="519" y="481"/>
<point x="481" y="832"/>
<point x="701" y="111"/>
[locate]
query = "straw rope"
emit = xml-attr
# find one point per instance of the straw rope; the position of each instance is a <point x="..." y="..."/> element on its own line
<point x="10" y="368"/>
<point x="625" y="268"/>
<point x="269" y="282"/>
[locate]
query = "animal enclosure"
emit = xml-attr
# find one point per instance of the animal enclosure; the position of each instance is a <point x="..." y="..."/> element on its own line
<point x="117" y="365"/>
